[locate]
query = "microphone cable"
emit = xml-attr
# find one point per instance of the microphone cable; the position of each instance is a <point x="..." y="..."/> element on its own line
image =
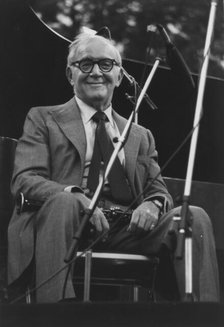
<point x="147" y="55"/>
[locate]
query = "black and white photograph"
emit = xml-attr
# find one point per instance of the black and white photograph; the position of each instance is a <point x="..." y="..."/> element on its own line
<point x="111" y="163"/>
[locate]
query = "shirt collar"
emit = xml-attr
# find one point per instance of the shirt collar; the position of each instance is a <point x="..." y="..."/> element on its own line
<point x="87" y="111"/>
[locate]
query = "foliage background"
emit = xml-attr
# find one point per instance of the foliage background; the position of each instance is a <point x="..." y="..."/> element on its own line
<point x="185" y="21"/>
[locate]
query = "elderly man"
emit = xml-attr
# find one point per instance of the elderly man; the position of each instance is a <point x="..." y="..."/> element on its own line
<point x="55" y="165"/>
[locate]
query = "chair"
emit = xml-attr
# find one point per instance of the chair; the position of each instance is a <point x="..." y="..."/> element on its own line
<point x="7" y="152"/>
<point x="116" y="269"/>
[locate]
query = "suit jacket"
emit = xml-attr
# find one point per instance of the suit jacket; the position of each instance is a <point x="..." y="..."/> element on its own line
<point x="50" y="155"/>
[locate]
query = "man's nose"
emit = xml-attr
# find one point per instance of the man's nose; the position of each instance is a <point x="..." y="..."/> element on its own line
<point x="96" y="70"/>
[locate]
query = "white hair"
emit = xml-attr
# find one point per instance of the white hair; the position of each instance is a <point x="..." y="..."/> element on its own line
<point x="81" y="41"/>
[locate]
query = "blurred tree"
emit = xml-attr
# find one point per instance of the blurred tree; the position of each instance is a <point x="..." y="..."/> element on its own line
<point x="185" y="21"/>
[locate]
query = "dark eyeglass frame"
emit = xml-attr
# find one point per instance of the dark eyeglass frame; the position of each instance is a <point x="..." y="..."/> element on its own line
<point x="99" y="62"/>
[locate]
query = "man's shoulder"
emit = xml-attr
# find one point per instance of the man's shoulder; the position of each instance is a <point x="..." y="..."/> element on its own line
<point x="46" y="110"/>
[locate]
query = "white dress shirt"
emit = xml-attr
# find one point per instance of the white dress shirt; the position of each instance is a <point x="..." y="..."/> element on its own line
<point x="87" y="113"/>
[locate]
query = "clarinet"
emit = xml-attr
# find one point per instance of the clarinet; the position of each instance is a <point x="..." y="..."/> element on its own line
<point x="112" y="214"/>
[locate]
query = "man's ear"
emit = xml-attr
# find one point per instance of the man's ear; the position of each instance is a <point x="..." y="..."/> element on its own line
<point x="69" y="75"/>
<point x="120" y="77"/>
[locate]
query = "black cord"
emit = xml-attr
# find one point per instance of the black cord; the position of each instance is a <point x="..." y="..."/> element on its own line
<point x="147" y="56"/>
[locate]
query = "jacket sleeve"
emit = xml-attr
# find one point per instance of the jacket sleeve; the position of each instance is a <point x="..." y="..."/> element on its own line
<point x="149" y="172"/>
<point x="32" y="166"/>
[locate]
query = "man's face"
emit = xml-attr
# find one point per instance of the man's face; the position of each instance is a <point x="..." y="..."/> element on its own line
<point x="96" y="88"/>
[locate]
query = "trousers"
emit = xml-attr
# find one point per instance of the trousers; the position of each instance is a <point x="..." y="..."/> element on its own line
<point x="59" y="218"/>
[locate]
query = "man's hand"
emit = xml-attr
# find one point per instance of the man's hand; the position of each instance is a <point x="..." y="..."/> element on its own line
<point x="99" y="221"/>
<point x="144" y="218"/>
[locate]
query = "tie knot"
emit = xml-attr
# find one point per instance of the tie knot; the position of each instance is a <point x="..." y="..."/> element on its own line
<point x="99" y="115"/>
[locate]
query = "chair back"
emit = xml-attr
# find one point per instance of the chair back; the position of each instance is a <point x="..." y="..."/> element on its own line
<point x="7" y="154"/>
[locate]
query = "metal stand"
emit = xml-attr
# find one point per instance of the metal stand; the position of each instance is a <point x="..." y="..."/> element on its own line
<point x="185" y="230"/>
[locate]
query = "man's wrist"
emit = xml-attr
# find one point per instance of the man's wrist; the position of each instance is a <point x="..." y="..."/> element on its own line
<point x="159" y="204"/>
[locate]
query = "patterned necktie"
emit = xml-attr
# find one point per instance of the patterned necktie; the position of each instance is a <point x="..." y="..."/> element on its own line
<point x="103" y="149"/>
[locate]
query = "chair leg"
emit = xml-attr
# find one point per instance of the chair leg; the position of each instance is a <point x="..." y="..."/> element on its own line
<point x="152" y="291"/>
<point x="135" y="293"/>
<point x="87" y="277"/>
<point x="28" y="296"/>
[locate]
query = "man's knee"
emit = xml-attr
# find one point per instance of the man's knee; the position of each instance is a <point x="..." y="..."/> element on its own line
<point x="200" y="219"/>
<point x="197" y="216"/>
<point x="60" y="209"/>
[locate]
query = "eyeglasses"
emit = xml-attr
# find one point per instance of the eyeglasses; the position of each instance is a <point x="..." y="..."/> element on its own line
<point x="86" y="65"/>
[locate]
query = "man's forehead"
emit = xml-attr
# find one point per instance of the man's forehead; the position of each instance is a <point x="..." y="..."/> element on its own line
<point x="97" y="49"/>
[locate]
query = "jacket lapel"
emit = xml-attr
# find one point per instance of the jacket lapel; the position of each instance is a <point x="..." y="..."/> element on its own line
<point x="69" y="119"/>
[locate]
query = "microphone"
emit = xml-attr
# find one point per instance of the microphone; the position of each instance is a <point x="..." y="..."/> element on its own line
<point x="133" y="82"/>
<point x="130" y="78"/>
<point x="175" y="60"/>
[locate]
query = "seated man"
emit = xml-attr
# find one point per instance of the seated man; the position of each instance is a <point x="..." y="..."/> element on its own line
<point x="55" y="165"/>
